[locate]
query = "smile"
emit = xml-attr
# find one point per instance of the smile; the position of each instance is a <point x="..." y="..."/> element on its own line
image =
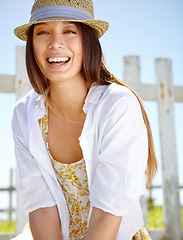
<point x="58" y="61"/>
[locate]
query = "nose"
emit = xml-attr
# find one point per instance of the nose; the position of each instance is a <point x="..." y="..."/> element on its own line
<point x="56" y="41"/>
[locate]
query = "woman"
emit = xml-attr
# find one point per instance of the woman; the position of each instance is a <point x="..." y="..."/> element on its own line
<point x="82" y="138"/>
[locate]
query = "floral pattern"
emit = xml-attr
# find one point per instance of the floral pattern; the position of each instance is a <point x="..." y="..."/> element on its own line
<point x="142" y="234"/>
<point x="74" y="183"/>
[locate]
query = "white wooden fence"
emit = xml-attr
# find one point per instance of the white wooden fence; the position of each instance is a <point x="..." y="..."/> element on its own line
<point x="165" y="94"/>
<point x="10" y="191"/>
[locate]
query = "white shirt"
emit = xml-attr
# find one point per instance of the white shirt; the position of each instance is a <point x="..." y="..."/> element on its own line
<point x="115" y="148"/>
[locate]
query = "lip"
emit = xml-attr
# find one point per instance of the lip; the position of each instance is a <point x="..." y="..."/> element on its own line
<point x="56" y="61"/>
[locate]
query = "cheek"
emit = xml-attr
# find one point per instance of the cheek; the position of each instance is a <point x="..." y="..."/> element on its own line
<point x="37" y="49"/>
<point x="79" y="48"/>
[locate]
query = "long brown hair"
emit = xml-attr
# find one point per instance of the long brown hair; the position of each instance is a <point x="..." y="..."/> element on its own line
<point x="93" y="70"/>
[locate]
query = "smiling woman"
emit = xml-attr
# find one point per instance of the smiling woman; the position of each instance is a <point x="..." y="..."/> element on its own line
<point x="58" y="40"/>
<point x="82" y="137"/>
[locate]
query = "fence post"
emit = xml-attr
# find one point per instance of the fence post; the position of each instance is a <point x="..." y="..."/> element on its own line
<point x="22" y="87"/>
<point x="131" y="73"/>
<point x="131" y="76"/>
<point x="165" y="95"/>
<point x="22" y="82"/>
<point x="11" y="192"/>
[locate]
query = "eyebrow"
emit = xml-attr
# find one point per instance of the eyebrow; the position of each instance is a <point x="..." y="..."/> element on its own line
<point x="64" y="22"/>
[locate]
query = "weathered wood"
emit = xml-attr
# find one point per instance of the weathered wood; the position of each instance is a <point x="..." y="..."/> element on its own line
<point x="131" y="73"/>
<point x="165" y="95"/>
<point x="7" y="83"/>
<point x="159" y="234"/>
<point x="178" y="94"/>
<point x="10" y="196"/>
<point x="22" y="82"/>
<point x="10" y="190"/>
<point x="22" y="87"/>
<point x="131" y="76"/>
<point x="6" y="236"/>
<point x="147" y="92"/>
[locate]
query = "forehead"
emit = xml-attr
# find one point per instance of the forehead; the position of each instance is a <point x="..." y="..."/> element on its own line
<point x="52" y="23"/>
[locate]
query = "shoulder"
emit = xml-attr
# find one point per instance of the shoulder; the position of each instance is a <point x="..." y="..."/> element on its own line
<point x="29" y="99"/>
<point x="21" y="107"/>
<point x="119" y="98"/>
<point x="116" y="91"/>
<point x="23" y="103"/>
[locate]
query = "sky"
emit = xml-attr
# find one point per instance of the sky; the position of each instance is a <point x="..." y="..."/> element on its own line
<point x="149" y="29"/>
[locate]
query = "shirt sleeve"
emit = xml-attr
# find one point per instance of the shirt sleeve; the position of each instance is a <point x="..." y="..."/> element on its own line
<point x="120" y="177"/>
<point x="33" y="188"/>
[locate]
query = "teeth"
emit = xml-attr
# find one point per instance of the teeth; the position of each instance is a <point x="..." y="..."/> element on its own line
<point x="60" y="59"/>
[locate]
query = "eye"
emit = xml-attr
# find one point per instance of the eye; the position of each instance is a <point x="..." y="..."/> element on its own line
<point x="42" y="33"/>
<point x="70" y="32"/>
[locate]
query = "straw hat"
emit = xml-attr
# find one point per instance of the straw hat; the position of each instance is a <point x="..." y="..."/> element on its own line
<point x="65" y="10"/>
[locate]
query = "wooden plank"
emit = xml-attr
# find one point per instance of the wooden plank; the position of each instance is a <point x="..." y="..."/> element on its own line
<point x="147" y="92"/>
<point x="131" y="76"/>
<point x="8" y="189"/>
<point x="131" y="72"/>
<point x="10" y="195"/>
<point x="6" y="236"/>
<point x="22" y="81"/>
<point x="22" y="87"/>
<point x="159" y="234"/>
<point x="178" y="92"/>
<point x="7" y="83"/>
<point x="8" y="210"/>
<point x="165" y="95"/>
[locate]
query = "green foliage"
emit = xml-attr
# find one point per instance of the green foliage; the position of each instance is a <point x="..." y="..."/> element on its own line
<point x="7" y="226"/>
<point x="155" y="217"/>
<point x="182" y="216"/>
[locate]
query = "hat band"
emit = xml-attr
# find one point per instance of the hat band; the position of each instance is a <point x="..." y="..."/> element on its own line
<point x="59" y="11"/>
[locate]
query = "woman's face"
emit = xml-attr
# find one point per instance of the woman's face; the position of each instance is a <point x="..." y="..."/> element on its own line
<point x="58" y="50"/>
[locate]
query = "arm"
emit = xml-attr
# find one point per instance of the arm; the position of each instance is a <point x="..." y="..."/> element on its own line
<point x="37" y="198"/>
<point x="119" y="179"/>
<point x="103" y="225"/>
<point x="45" y="224"/>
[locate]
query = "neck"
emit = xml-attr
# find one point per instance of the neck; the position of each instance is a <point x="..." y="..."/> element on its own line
<point x="67" y="100"/>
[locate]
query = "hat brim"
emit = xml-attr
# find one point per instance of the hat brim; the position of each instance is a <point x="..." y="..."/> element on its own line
<point x="99" y="26"/>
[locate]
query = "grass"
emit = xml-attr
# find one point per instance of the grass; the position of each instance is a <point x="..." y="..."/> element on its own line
<point x="7" y="226"/>
<point x="155" y="220"/>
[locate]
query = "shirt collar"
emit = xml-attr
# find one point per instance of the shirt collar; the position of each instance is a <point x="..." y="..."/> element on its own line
<point x="93" y="96"/>
<point x="36" y="107"/>
<point x="37" y="101"/>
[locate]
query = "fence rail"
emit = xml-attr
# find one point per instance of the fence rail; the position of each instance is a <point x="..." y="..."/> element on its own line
<point x="9" y="189"/>
<point x="150" y="199"/>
